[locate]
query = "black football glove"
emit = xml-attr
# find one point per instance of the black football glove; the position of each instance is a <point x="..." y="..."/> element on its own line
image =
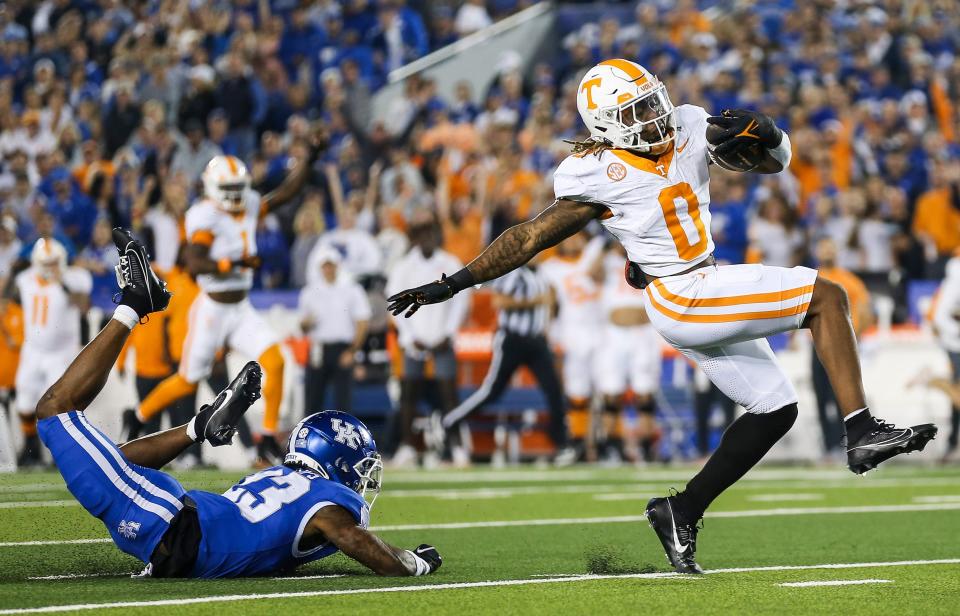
<point x="429" y="555"/>
<point x="411" y="299"/>
<point x="743" y="127"/>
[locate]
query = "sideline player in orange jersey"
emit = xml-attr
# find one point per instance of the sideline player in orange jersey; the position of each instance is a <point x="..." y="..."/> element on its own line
<point x="222" y="254"/>
<point x="644" y="173"/>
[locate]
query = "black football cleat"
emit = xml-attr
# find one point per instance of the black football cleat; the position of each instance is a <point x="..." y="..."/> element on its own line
<point x="677" y="535"/>
<point x="883" y="442"/>
<point x="139" y="286"/>
<point x="216" y="423"/>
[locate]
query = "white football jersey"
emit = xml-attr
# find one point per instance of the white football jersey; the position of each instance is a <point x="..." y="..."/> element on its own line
<point x="50" y="321"/>
<point x="659" y="209"/>
<point x="229" y="237"/>
<point x="578" y="293"/>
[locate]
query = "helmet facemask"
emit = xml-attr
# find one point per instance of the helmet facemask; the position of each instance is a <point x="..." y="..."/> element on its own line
<point x="231" y="196"/>
<point x="642" y="123"/>
<point x="370" y="471"/>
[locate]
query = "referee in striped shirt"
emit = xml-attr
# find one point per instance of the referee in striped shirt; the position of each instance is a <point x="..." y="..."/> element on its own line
<point x="524" y="300"/>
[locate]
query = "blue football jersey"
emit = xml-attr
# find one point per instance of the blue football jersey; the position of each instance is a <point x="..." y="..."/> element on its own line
<point x="255" y="527"/>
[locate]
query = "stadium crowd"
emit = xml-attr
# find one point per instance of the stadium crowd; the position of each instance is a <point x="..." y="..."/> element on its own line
<point x="110" y="110"/>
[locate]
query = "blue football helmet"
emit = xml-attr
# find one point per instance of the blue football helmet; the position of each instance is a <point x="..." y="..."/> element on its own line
<point x="339" y="447"/>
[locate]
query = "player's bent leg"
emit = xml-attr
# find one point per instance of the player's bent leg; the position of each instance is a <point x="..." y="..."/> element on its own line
<point x="135" y="504"/>
<point x="828" y="320"/>
<point x="868" y="441"/>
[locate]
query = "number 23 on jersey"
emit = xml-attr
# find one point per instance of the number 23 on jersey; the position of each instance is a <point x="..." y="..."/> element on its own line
<point x="263" y="494"/>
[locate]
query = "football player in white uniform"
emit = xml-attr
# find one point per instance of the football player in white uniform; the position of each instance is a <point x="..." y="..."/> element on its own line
<point x="575" y="275"/>
<point x="54" y="298"/>
<point x="645" y="174"/>
<point x="630" y="358"/>
<point x="222" y="254"/>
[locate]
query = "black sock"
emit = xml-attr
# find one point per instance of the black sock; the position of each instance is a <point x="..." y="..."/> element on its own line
<point x="646" y="449"/>
<point x="858" y="424"/>
<point x="744" y="443"/>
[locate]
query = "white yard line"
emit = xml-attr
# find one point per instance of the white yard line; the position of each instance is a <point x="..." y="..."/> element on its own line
<point x="454" y="586"/>
<point x="38" y="503"/>
<point x="327" y="576"/>
<point x="754" y="513"/>
<point x="833" y="583"/>
<point x="77" y="576"/>
<point x="946" y="498"/>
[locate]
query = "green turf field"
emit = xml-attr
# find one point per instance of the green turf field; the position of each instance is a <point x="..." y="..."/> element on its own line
<point x="533" y="541"/>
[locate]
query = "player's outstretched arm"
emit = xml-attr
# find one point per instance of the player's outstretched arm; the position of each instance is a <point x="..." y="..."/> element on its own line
<point x="336" y="525"/>
<point x="513" y="248"/>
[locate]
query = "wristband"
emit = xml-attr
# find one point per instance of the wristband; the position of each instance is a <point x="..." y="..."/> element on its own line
<point x="423" y="567"/>
<point x="461" y="280"/>
<point x="126" y="315"/>
<point x="224" y="265"/>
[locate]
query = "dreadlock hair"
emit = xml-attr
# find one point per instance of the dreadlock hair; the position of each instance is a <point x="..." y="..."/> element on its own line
<point x="591" y="145"/>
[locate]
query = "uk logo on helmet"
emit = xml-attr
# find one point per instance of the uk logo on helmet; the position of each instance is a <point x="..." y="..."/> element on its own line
<point x="345" y="434"/>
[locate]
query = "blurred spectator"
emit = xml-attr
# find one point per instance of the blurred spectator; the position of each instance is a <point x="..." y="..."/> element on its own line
<point x="192" y="157"/>
<point x="472" y="16"/>
<point x="428" y="334"/>
<point x="10" y="247"/>
<point x="334" y="313"/>
<point x="308" y="227"/>
<point x="99" y="258"/>
<point x="165" y="220"/>
<point x="236" y="97"/>
<point x="937" y="218"/>
<point x="120" y="120"/>
<point x="273" y="252"/>
<point x="775" y="238"/>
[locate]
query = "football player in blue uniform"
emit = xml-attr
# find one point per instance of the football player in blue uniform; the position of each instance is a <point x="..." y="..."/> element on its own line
<point x="313" y="505"/>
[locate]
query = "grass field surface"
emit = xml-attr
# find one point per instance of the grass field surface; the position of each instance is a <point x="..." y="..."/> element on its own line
<point x="532" y="541"/>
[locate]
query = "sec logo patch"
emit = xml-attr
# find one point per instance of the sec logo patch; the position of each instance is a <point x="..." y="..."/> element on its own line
<point x="616" y="172"/>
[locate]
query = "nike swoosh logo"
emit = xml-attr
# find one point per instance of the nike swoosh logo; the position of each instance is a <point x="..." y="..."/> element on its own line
<point x="893" y="441"/>
<point x="746" y="132"/>
<point x="226" y="401"/>
<point x="680" y="149"/>
<point x="680" y="548"/>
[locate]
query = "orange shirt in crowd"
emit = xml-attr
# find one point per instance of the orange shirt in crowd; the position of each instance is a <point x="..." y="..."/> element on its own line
<point x="518" y="186"/>
<point x="185" y="290"/>
<point x="464" y="240"/>
<point x="11" y="338"/>
<point x="936" y="218"/>
<point x="856" y="292"/>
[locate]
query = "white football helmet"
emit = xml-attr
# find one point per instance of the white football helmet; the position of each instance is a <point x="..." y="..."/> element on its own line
<point x="225" y="182"/>
<point x="48" y="257"/>
<point x="626" y="105"/>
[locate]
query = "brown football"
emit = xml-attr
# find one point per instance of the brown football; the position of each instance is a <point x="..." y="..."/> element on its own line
<point x="745" y="158"/>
